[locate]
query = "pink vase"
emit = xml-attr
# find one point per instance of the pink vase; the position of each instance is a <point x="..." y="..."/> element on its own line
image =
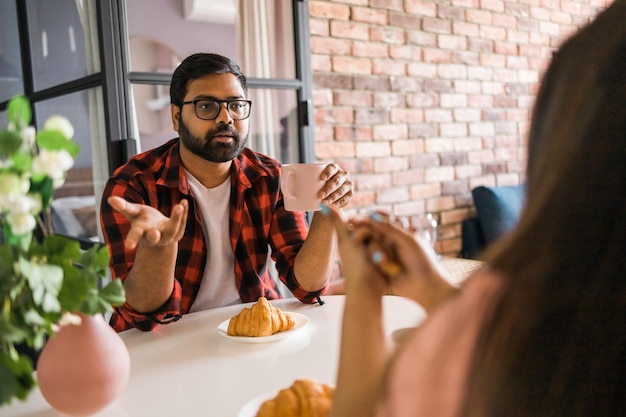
<point x="83" y="368"/>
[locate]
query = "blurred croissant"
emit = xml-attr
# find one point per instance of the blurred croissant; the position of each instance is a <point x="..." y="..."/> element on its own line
<point x="305" y="398"/>
<point x="262" y="319"/>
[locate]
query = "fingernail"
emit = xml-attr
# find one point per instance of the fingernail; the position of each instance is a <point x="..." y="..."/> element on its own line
<point x="377" y="257"/>
<point x="324" y="209"/>
<point x="376" y="217"/>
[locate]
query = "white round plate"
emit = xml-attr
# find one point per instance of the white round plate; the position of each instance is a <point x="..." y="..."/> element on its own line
<point x="300" y="319"/>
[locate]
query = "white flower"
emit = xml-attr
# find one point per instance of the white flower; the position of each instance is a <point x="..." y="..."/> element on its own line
<point x="21" y="223"/>
<point x="54" y="164"/>
<point x="12" y="184"/>
<point x="28" y="203"/>
<point x="28" y="135"/>
<point x="66" y="319"/>
<point x="60" y="124"/>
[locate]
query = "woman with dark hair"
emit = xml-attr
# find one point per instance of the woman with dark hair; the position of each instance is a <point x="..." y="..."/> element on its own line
<point x="541" y="330"/>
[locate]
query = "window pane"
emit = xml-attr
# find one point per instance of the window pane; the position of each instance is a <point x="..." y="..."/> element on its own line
<point x="149" y="55"/>
<point x="75" y="203"/>
<point x="10" y="57"/>
<point x="154" y="120"/>
<point x="274" y="124"/>
<point x="62" y="33"/>
<point x="264" y="30"/>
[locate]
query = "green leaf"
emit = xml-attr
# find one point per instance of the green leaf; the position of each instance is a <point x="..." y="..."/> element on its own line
<point x="113" y="293"/>
<point x="45" y="281"/>
<point x="56" y="141"/>
<point x="19" y="111"/>
<point x="45" y="187"/>
<point x="10" y="142"/>
<point x="17" y="377"/>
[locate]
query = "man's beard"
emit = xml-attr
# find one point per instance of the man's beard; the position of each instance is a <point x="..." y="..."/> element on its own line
<point x="210" y="149"/>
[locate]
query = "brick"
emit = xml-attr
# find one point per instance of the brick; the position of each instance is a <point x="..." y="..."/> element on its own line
<point x="403" y="115"/>
<point x="404" y="52"/>
<point x="468" y="171"/>
<point x="421" y="38"/>
<point x="372" y="149"/>
<point x="482" y="129"/>
<point x="330" y="46"/>
<point x="452" y="71"/>
<point x="353" y="133"/>
<point x="420" y="7"/>
<point x="390" y="35"/>
<point x="437" y="115"/>
<point x="341" y="29"/>
<point x="320" y="63"/>
<point x="423" y="190"/>
<point x="388" y="100"/>
<point x="322" y="97"/>
<point x="422" y="130"/>
<point x="405" y="21"/>
<point x="454" y="187"/>
<point x="436" y="25"/>
<point x="338" y="81"/>
<point x="452" y="130"/>
<point x="370" y="15"/>
<point x="436" y="55"/>
<point x="452" y="100"/>
<point x="406" y="147"/>
<point x="453" y="42"/>
<point x="390" y="132"/>
<point x="453" y="158"/>
<point x="439" y="204"/>
<point x="396" y="5"/>
<point x="329" y="10"/>
<point x="392" y="195"/>
<point x="489" y="32"/>
<point x="467" y="58"/>
<point x="404" y="84"/>
<point x="481" y="17"/>
<point x="352" y="65"/>
<point x="388" y="67"/>
<point x="334" y="150"/>
<point x="319" y="27"/>
<point x="421" y="100"/>
<point x="467" y="143"/>
<point x="466" y="115"/>
<point x="353" y="98"/>
<point x="390" y="164"/>
<point x="423" y="160"/>
<point x="423" y="70"/>
<point x="465" y="29"/>
<point x="372" y="182"/>
<point x="505" y="21"/>
<point x="369" y="49"/>
<point x="439" y="145"/>
<point x="371" y="82"/>
<point x="371" y="116"/>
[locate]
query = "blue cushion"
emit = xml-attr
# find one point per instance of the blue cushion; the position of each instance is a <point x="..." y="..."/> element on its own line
<point x="498" y="209"/>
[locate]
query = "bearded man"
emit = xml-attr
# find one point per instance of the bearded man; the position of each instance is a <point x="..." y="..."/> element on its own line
<point x="190" y="224"/>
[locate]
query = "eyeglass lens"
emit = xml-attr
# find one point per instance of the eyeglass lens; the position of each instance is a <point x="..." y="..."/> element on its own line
<point x="209" y="109"/>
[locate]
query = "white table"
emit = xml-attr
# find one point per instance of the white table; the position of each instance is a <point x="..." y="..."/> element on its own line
<point x="187" y="369"/>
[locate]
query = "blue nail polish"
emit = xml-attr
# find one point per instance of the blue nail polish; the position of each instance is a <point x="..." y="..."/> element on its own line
<point x="376" y="217"/>
<point x="324" y="209"/>
<point x="377" y="257"/>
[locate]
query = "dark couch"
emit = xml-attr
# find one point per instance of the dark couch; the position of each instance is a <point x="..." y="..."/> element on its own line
<point x="497" y="212"/>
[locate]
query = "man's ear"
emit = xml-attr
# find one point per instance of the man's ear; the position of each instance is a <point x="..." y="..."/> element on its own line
<point x="175" y="114"/>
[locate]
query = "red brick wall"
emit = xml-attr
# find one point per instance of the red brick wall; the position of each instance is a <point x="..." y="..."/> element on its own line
<point x="424" y="100"/>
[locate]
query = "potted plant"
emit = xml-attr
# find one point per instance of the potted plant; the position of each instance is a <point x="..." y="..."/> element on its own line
<point x="46" y="280"/>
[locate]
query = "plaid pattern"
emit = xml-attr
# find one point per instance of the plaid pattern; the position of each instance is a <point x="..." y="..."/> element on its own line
<point x="257" y="220"/>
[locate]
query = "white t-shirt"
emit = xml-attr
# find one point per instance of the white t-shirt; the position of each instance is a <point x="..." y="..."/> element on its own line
<point x="218" y="287"/>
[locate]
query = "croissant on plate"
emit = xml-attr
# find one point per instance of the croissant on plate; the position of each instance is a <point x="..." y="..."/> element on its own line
<point x="262" y="319"/>
<point x="305" y="398"/>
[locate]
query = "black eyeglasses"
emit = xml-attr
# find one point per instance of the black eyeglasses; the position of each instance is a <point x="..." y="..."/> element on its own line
<point x="208" y="109"/>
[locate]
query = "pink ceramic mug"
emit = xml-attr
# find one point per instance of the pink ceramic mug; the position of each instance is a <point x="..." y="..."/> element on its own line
<point x="300" y="184"/>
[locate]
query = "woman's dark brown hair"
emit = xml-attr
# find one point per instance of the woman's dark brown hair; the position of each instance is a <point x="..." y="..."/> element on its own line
<point x="555" y="344"/>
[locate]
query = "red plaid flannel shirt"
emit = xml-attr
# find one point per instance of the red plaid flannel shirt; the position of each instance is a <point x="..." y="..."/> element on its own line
<point x="257" y="219"/>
